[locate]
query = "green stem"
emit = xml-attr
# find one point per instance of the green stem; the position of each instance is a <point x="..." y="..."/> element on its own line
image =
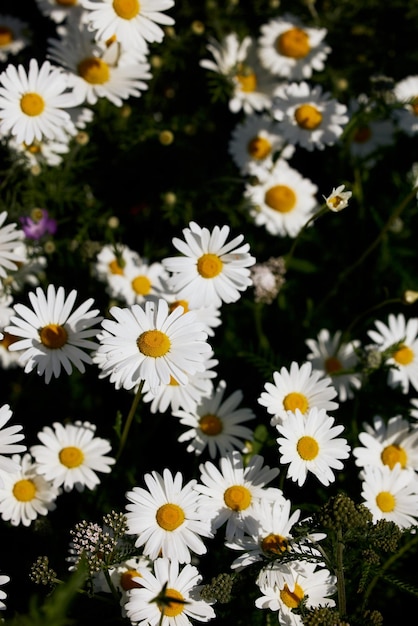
<point x="322" y="210"/>
<point x="342" y="602"/>
<point x="129" y="419"/>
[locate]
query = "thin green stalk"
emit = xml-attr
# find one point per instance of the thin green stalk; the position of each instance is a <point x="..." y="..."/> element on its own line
<point x="130" y="418"/>
<point x="322" y="210"/>
<point x="342" y="602"/>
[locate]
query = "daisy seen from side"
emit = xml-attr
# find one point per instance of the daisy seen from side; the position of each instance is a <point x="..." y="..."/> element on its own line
<point x="52" y="335"/>
<point x="71" y="455"/>
<point x="165" y="517"/>
<point x="13" y="36"/>
<point x="211" y="270"/>
<point x="338" y="199"/>
<point x="9" y="438"/>
<point x="299" y="387"/>
<point x="11" y="254"/>
<point x="406" y="93"/>
<point x="310" y="443"/>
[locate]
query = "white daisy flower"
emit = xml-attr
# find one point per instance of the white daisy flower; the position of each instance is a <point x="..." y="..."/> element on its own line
<point x="406" y="93"/>
<point x="283" y="201"/>
<point x="298" y="388"/>
<point x="123" y="577"/>
<point x="211" y="270"/>
<point x="25" y="494"/>
<point x="296" y="583"/>
<point x="232" y="492"/>
<point x="52" y="335"/>
<point x="3" y="595"/>
<point x="309" y="443"/>
<point x="13" y="36"/>
<point x="59" y="11"/>
<point x="150" y="604"/>
<point x="338" y="199"/>
<point x="255" y="142"/>
<point x="134" y="23"/>
<point x="11" y="253"/>
<point x="33" y="103"/>
<point x="290" y="50"/>
<point x="390" y="494"/>
<point x="404" y="361"/>
<point x="112" y="259"/>
<point x="39" y="153"/>
<point x="30" y="269"/>
<point x="152" y="344"/>
<point x="337" y="359"/>
<point x="216" y="424"/>
<point x="166" y="519"/>
<point x="70" y="455"/>
<point x="389" y="443"/>
<point x="8" y="359"/>
<point x="309" y="117"/>
<point x="138" y="282"/>
<point x="8" y="442"/>
<point x="209" y="315"/>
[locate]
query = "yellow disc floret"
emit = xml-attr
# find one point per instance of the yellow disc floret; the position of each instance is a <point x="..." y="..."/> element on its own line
<point x="291" y="599"/>
<point x="141" y="285"/>
<point x="153" y="343"/>
<point x="385" y="501"/>
<point x="127" y="579"/>
<point x="274" y="544"/>
<point x="394" y="454"/>
<point x="259" y="148"/>
<point x="237" y="497"/>
<point x="210" y="425"/>
<point x="24" y="490"/>
<point x="126" y="9"/>
<point x="296" y="400"/>
<point x="404" y="356"/>
<point x="209" y="265"/>
<point x="94" y="71"/>
<point x="308" y="117"/>
<point x="32" y="104"/>
<point x="71" y="456"/>
<point x="171" y="609"/>
<point x="293" y="43"/>
<point x="53" y="336"/>
<point x="280" y="198"/>
<point x="307" y="448"/>
<point x="170" y="516"/>
<point x="6" y="36"/>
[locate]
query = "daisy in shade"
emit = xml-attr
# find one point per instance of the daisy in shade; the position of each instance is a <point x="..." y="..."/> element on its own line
<point x="295" y="583"/>
<point x="309" y="443"/>
<point x="39" y="153"/>
<point x="138" y="282"/>
<point x="112" y="259"/>
<point x="309" y="117"/>
<point x="13" y="36"/>
<point x="70" y="455"/>
<point x="58" y="10"/>
<point x="337" y="359"/>
<point x="8" y="359"/>
<point x="390" y="443"/>
<point x="33" y="103"/>
<point x="152" y="344"/>
<point x="338" y="199"/>
<point x="166" y="519"/>
<point x="290" y="50"/>
<point x="402" y="333"/>
<point x="26" y="494"/>
<point x="135" y="23"/>
<point x="282" y="201"/>
<point x="123" y="577"/>
<point x="9" y="437"/>
<point x="52" y="335"/>
<point x="208" y="314"/>
<point x="406" y="93"/>
<point x="370" y="133"/>
<point x="216" y="424"/>
<point x="390" y="494"/>
<point x="232" y="492"/>
<point x="256" y="142"/>
<point x="150" y="604"/>
<point x="211" y="269"/>
<point x="3" y="595"/>
<point x="11" y="254"/>
<point x="299" y="387"/>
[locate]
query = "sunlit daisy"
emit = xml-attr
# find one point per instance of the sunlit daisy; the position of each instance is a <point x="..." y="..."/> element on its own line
<point x="11" y="254"/>
<point x="9" y="437"/>
<point x="138" y="282"/>
<point x="338" y="199"/>
<point x="59" y="10"/>
<point x="406" y="93"/>
<point x="150" y="604"/>
<point x="13" y="36"/>
<point x="33" y="103"/>
<point x="152" y="344"/>
<point x="52" y="335"/>
<point x="26" y="494"/>
<point x="283" y="201"/>
<point x="166" y="519"/>
<point x="211" y="269"/>
<point x="216" y="424"/>
<point x="70" y="455"/>
<point x="299" y="387"/>
<point x="309" y="117"/>
<point x="3" y="595"/>
<point x="134" y="23"/>
<point x="390" y="494"/>
<point x="404" y="360"/>
<point x="337" y="359"/>
<point x="290" y="50"/>
<point x="232" y="492"/>
<point x="309" y="443"/>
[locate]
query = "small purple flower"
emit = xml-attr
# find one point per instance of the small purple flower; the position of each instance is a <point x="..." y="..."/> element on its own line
<point x="38" y="224"/>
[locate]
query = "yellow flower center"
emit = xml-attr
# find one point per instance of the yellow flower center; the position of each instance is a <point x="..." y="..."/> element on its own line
<point x="115" y="268"/>
<point x="404" y="356"/>
<point x="7" y="340"/>
<point x="237" y="498"/>
<point x="32" y="104"/>
<point x="6" y="36"/>
<point x="177" y="303"/>
<point x="291" y="599"/>
<point x="126" y="579"/>
<point x="308" y="117"/>
<point x="274" y="544"/>
<point x="24" y="490"/>
<point x="141" y="285"/>
<point x="259" y="148"/>
<point x="53" y="336"/>
<point x="71" y="456"/>
<point x="332" y="364"/>
<point x="335" y="201"/>
<point x="385" y="501"/>
<point x="170" y="516"/>
<point x="94" y="71"/>
<point x="296" y="400"/>
<point x="362" y="134"/>
<point x="171" y="609"/>
<point x="307" y="448"/>
<point x="394" y="454"/>
<point x="246" y="78"/>
<point x="209" y="265"/>
<point x="293" y="43"/>
<point x="210" y="424"/>
<point x="173" y="382"/>
<point x="280" y="198"/>
<point x="126" y="9"/>
<point x="153" y="343"/>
